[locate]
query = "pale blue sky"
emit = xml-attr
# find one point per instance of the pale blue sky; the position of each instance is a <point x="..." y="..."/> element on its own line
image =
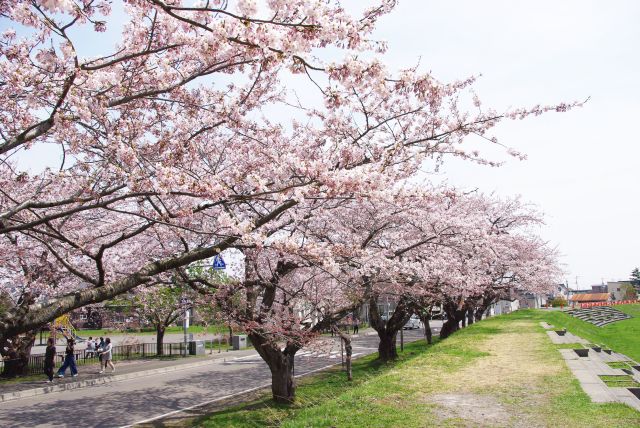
<point x="582" y="168"/>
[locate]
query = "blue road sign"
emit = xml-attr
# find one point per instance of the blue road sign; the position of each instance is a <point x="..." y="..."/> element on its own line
<point x="218" y="262"/>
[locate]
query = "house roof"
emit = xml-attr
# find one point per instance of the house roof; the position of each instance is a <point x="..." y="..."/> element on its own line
<point x="590" y="297"/>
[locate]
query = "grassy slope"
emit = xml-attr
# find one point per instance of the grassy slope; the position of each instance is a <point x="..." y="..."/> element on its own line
<point x="506" y="360"/>
<point x="621" y="336"/>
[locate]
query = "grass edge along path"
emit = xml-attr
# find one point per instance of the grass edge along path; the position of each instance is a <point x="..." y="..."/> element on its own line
<point x="428" y="384"/>
<point x="621" y="336"/>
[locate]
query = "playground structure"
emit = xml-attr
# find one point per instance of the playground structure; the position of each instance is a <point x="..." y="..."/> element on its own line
<point x="63" y="325"/>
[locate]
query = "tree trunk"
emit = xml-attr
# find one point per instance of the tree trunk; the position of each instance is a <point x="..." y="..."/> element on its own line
<point x="23" y="347"/>
<point x="346" y="339"/>
<point x="451" y="325"/>
<point x="283" y="387"/>
<point x="349" y="351"/>
<point x="18" y="362"/>
<point x="470" y="316"/>
<point x="461" y="316"/>
<point x="427" y="330"/>
<point x="480" y="311"/>
<point x="281" y="364"/>
<point x="160" y="329"/>
<point x="388" y="330"/>
<point x="387" y="350"/>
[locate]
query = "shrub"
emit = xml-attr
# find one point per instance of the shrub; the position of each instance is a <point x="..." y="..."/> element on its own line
<point x="558" y="301"/>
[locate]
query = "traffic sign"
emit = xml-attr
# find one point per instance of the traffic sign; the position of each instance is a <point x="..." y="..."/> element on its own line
<point x="218" y="262"/>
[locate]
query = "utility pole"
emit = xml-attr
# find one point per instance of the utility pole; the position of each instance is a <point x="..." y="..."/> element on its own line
<point x="185" y="324"/>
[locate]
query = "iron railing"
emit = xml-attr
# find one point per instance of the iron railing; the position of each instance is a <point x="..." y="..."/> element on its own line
<point x="35" y="363"/>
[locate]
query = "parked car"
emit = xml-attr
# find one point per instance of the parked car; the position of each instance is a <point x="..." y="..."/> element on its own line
<point x="440" y="315"/>
<point x="413" y="323"/>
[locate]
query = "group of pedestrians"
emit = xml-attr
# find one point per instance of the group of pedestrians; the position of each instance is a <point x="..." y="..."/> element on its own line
<point x="103" y="349"/>
<point x="350" y="321"/>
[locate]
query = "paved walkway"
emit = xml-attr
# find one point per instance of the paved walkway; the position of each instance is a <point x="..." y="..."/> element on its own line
<point x="88" y="375"/>
<point x="588" y="370"/>
<point x="566" y="339"/>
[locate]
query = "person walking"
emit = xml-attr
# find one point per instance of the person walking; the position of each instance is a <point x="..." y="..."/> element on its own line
<point x="356" y="325"/>
<point x="69" y="360"/>
<point x="99" y="348"/>
<point x="49" y="358"/>
<point x="90" y="351"/>
<point x="107" y="355"/>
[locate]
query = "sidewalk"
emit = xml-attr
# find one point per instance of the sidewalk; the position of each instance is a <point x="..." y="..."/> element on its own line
<point x="89" y="375"/>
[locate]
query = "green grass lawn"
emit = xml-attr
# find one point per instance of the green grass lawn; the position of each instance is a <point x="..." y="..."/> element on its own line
<point x="501" y="372"/>
<point x="213" y="329"/>
<point x="619" y="381"/>
<point x="622" y="336"/>
<point x="619" y="365"/>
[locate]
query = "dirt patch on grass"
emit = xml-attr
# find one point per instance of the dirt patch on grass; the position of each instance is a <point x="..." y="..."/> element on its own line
<point x="515" y="360"/>
<point x="504" y="388"/>
<point x="482" y="410"/>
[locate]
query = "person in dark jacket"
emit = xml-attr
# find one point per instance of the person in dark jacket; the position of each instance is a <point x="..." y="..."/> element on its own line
<point x="49" y="359"/>
<point x="69" y="360"/>
<point x="99" y="349"/>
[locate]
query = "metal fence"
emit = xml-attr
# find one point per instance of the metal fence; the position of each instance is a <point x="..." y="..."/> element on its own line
<point x="35" y="364"/>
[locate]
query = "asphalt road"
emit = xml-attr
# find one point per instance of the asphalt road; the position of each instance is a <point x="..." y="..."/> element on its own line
<point x="127" y="402"/>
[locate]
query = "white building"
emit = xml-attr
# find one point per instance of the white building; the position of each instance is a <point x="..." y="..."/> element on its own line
<point x="504" y="307"/>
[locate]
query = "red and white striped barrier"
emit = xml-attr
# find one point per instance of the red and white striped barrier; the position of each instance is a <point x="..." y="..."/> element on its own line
<point x="617" y="302"/>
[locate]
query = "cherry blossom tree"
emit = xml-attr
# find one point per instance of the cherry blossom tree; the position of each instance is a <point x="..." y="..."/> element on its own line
<point x="148" y="142"/>
<point x="283" y="303"/>
<point x="442" y="246"/>
<point x="169" y="148"/>
<point x="509" y="258"/>
<point x="161" y="306"/>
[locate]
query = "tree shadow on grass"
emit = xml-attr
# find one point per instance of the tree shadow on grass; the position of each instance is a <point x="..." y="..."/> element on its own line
<point x="312" y="391"/>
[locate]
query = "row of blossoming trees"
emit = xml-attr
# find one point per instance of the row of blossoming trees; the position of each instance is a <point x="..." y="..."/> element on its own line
<point x="186" y="138"/>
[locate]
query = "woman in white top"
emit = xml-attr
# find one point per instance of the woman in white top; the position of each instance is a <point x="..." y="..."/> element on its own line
<point x="89" y="352"/>
<point x="106" y="356"/>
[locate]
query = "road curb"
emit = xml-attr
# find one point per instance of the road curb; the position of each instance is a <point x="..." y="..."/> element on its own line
<point x="17" y="395"/>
